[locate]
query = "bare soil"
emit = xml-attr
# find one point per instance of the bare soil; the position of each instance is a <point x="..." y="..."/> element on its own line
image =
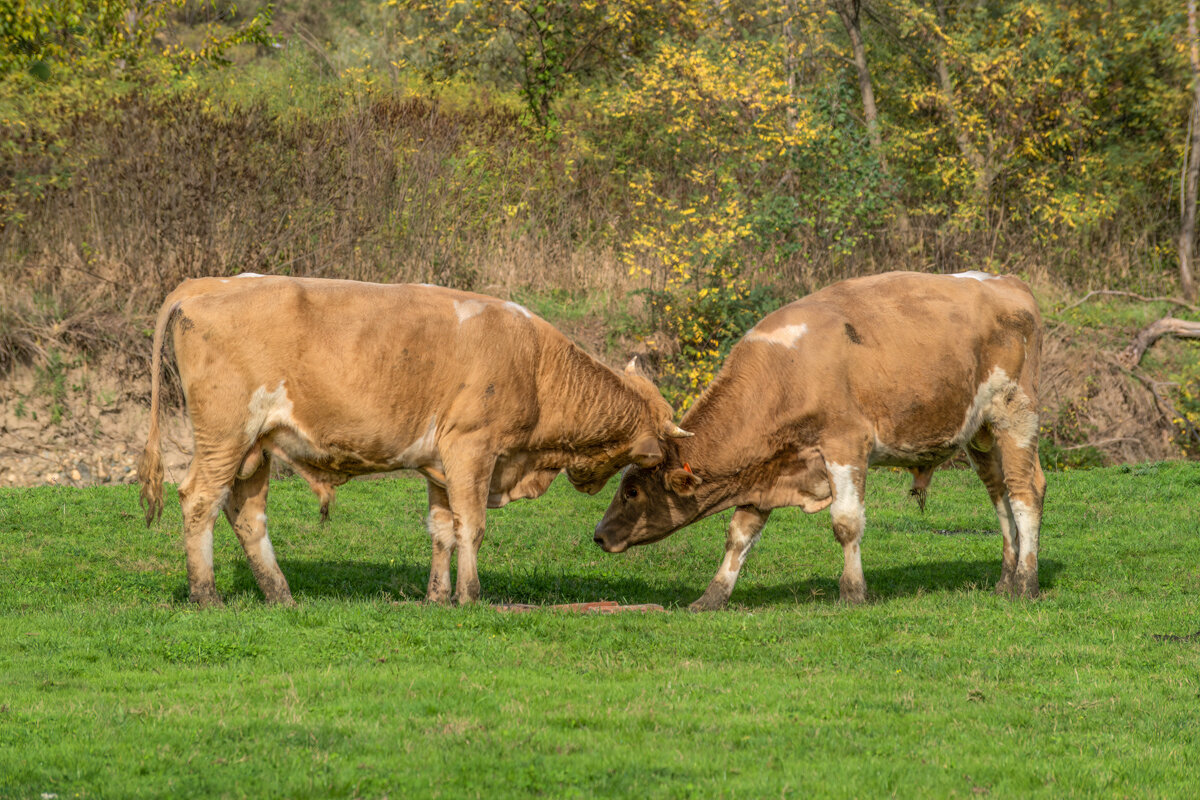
<point x="84" y="424"/>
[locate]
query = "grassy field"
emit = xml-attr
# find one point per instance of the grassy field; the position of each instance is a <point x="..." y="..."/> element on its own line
<point x="111" y="685"/>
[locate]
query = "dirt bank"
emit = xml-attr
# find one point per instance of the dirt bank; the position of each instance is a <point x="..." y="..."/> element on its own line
<point x="77" y="423"/>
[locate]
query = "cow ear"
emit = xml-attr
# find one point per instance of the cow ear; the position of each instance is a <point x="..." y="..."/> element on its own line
<point x="682" y="481"/>
<point x="647" y="453"/>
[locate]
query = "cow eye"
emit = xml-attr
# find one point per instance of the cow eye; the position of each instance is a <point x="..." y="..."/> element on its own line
<point x="631" y="493"/>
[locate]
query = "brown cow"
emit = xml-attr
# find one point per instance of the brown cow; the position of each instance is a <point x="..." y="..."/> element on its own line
<point x="339" y="378"/>
<point x="901" y="369"/>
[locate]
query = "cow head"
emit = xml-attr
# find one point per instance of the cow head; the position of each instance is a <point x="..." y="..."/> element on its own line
<point x="650" y="504"/>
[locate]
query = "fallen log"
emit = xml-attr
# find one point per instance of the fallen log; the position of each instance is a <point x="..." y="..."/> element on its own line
<point x="1131" y="356"/>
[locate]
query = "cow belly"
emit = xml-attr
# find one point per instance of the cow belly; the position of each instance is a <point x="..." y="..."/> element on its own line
<point x="890" y="456"/>
<point x="348" y="457"/>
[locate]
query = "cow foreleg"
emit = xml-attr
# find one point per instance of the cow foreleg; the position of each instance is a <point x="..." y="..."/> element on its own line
<point x="246" y="509"/>
<point x="441" y="532"/>
<point x="744" y="529"/>
<point x="467" y="485"/>
<point x="849" y="517"/>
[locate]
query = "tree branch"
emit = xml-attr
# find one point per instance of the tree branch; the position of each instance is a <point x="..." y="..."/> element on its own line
<point x="1114" y="293"/>
<point x="1131" y="356"/>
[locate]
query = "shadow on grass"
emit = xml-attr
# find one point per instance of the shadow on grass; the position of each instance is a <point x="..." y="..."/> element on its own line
<point x="406" y="581"/>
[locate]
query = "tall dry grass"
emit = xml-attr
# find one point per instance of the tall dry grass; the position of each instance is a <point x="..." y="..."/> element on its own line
<point x="388" y="190"/>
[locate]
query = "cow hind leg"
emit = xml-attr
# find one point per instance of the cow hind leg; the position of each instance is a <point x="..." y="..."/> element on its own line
<point x="246" y="509"/>
<point x="200" y="500"/>
<point x="744" y="529"/>
<point x="988" y="467"/>
<point x="1026" y="489"/>
<point x="441" y="532"/>
<point x="848" y="514"/>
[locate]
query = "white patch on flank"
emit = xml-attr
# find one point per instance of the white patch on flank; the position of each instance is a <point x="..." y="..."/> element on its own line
<point x="787" y="336"/>
<point x="517" y="308"/>
<point x="424" y="450"/>
<point x="1014" y="417"/>
<point x="268" y="410"/>
<point x="467" y="309"/>
<point x="976" y="274"/>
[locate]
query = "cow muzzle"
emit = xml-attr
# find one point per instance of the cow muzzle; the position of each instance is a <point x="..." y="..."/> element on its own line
<point x="609" y="546"/>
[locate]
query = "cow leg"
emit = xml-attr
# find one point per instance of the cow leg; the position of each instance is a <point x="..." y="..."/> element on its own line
<point x="200" y="502"/>
<point x="988" y="467"/>
<point x="744" y="529"/>
<point x="246" y="509"/>
<point x="848" y="481"/>
<point x="467" y="482"/>
<point x="441" y="531"/>
<point x="1026" y="489"/>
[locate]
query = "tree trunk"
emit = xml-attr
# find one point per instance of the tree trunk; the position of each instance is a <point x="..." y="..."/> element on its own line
<point x="848" y="11"/>
<point x="983" y="174"/>
<point x="790" y="62"/>
<point x="1187" y="228"/>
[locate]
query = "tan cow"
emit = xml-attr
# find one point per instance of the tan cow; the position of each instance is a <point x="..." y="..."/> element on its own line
<point x="901" y="369"/>
<point x="339" y="378"/>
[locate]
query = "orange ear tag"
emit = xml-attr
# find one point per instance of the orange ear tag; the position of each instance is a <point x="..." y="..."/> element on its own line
<point x="688" y="468"/>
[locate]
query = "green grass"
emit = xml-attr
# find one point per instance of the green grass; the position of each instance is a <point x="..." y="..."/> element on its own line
<point x="111" y="685"/>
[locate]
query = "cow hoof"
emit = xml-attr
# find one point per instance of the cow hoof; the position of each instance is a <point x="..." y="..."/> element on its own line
<point x="1026" y="586"/>
<point x="286" y="601"/>
<point x="206" y="598"/>
<point x="706" y="603"/>
<point x="853" y="594"/>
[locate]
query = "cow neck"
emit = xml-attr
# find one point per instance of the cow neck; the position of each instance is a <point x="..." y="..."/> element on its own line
<point x="584" y="404"/>
<point x="737" y="431"/>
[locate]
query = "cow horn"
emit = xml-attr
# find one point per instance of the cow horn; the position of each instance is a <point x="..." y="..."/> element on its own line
<point x="632" y="367"/>
<point x="675" y="432"/>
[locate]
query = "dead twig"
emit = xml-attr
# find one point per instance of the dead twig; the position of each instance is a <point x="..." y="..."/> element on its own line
<point x="1105" y="442"/>
<point x="1131" y="356"/>
<point x="1114" y="293"/>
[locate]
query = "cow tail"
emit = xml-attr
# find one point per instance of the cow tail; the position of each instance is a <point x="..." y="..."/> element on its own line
<point x="150" y="465"/>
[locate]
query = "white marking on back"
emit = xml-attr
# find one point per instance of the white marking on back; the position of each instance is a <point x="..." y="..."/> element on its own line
<point x="787" y="336"/>
<point x="268" y="410"/>
<point x="467" y="309"/>
<point x="976" y="274"/>
<point x="847" y="505"/>
<point x="249" y="275"/>
<point x="517" y="308"/>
